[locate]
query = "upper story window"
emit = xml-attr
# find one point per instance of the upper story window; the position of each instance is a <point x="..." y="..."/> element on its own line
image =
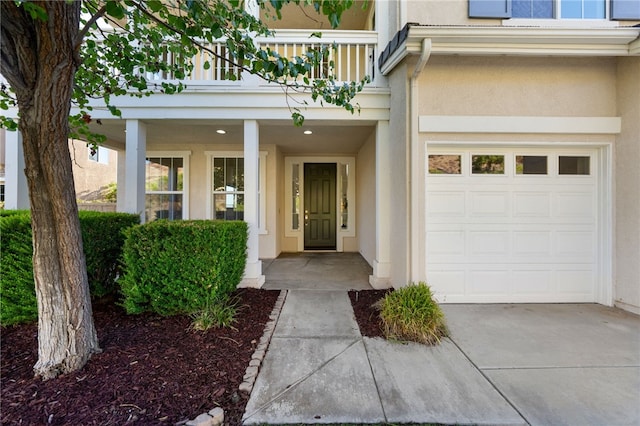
<point x="556" y="9"/>
<point x="564" y="9"/>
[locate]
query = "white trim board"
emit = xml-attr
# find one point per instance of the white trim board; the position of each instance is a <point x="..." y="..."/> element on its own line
<point x="518" y="124"/>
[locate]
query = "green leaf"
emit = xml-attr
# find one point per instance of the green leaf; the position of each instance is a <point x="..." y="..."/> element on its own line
<point x="155" y="5"/>
<point x="115" y="9"/>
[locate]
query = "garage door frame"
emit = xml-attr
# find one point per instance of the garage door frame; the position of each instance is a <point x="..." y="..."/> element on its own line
<point x="602" y="161"/>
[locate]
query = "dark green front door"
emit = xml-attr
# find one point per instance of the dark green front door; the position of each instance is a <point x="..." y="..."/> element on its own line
<point x="320" y="206"/>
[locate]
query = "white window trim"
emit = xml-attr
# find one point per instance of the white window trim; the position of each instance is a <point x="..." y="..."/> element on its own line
<point x="185" y="155"/>
<point x="351" y="197"/>
<point x="262" y="191"/>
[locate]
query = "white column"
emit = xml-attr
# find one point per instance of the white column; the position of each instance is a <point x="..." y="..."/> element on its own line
<point x="253" y="271"/>
<point x="136" y="149"/>
<point x="120" y="181"/>
<point x="16" y="191"/>
<point x="381" y="277"/>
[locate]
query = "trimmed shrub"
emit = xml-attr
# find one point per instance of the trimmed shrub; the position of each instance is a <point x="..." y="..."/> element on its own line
<point x="102" y="241"/>
<point x="410" y="313"/>
<point x="180" y="267"/>
<point x="17" y="289"/>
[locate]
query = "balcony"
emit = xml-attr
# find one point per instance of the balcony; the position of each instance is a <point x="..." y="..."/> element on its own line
<point x="352" y="59"/>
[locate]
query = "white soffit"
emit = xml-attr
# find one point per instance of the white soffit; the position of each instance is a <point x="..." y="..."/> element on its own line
<point x="499" y="124"/>
<point x="521" y="41"/>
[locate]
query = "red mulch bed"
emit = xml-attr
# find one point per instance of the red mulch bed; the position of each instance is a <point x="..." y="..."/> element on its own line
<point x="367" y="316"/>
<point x="153" y="370"/>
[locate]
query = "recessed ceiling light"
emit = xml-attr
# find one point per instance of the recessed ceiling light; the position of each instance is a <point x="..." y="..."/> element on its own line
<point x="307" y="132"/>
<point x="221" y="132"/>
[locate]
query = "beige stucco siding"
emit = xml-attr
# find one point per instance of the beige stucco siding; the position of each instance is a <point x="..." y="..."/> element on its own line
<point x="627" y="194"/>
<point x="578" y="87"/>
<point x="399" y="136"/>
<point x="366" y="199"/>
<point x="444" y="12"/>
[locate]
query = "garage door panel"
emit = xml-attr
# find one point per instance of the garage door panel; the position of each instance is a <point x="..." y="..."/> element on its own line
<point x="532" y="281"/>
<point x="528" y="243"/>
<point x="447" y="204"/>
<point x="483" y="243"/>
<point x="575" y="244"/>
<point x="533" y="204"/>
<point x="486" y="281"/>
<point x="575" y="281"/>
<point x="512" y="238"/>
<point x="446" y="243"/>
<point x="493" y="204"/>
<point x="447" y="282"/>
<point x="574" y="205"/>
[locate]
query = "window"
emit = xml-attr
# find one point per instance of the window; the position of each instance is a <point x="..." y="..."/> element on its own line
<point x="487" y="164"/>
<point x="445" y="164"/>
<point x="295" y="196"/>
<point x="165" y="182"/>
<point x="560" y="9"/>
<point x="228" y="188"/>
<point x="565" y="9"/>
<point x="573" y="165"/>
<point x="531" y="165"/>
<point x="99" y="154"/>
<point x="344" y="195"/>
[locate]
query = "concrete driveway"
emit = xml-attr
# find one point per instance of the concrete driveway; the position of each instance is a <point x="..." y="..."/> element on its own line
<point x="558" y="364"/>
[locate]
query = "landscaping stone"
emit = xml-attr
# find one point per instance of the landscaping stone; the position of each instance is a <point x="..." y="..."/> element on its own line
<point x="258" y="355"/>
<point x="217" y="414"/>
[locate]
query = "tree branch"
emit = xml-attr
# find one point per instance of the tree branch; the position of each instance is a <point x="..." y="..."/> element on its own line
<point x="87" y="27"/>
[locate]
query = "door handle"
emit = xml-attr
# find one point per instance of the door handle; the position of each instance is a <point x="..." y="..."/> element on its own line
<point x="306" y="218"/>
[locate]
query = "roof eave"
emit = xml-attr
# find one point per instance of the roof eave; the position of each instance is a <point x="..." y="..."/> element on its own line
<point x="515" y="41"/>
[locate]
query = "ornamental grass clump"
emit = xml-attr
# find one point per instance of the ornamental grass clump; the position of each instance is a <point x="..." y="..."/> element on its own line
<point x="411" y="314"/>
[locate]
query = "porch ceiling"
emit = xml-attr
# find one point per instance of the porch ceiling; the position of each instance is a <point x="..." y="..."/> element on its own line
<point x="327" y="137"/>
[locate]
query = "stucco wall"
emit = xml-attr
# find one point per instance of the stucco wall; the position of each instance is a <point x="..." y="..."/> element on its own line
<point x="91" y="178"/>
<point x="366" y="199"/>
<point x="444" y="12"/>
<point x="398" y="175"/>
<point x="519" y="86"/>
<point x="627" y="176"/>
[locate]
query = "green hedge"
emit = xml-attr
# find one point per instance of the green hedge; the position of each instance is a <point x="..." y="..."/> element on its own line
<point x="17" y="290"/>
<point x="102" y="238"/>
<point x="178" y="267"/>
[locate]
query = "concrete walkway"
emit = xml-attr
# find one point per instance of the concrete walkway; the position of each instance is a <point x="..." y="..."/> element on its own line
<point x="504" y="364"/>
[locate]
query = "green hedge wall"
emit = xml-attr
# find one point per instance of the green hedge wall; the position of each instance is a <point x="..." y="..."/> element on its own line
<point x="179" y="267"/>
<point x="102" y="239"/>
<point x="17" y="290"/>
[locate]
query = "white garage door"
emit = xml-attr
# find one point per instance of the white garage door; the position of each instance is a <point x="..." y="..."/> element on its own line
<point x="512" y="225"/>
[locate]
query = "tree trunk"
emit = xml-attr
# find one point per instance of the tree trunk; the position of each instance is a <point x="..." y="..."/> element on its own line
<point x="43" y="85"/>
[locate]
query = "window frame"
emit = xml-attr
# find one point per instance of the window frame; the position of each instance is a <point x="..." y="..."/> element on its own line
<point x="185" y="156"/>
<point x="262" y="185"/>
